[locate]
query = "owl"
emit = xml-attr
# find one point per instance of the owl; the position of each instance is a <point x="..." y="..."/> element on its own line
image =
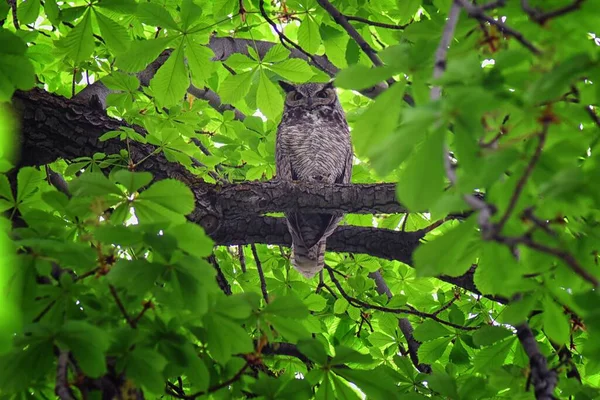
<point x="312" y="145"/>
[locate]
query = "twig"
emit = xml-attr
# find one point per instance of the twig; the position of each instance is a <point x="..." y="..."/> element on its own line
<point x="15" y="18"/>
<point x="146" y="306"/>
<point x="284" y="39"/>
<point x="492" y="5"/>
<point x="115" y="295"/>
<point x="542" y="17"/>
<point x="561" y="254"/>
<point x="543" y="225"/>
<point x="221" y="280"/>
<point x="446" y="306"/>
<point x="411" y="310"/>
<point x="593" y="115"/>
<point x="440" y="54"/>
<point x="261" y="275"/>
<point x="523" y="180"/>
<point x="375" y="23"/>
<point x="322" y="284"/>
<point x="62" y="389"/>
<point x="478" y="13"/>
<point x="44" y="311"/>
<point x="242" y="258"/>
<point x="212" y="389"/>
<point x="341" y="20"/>
<point x="544" y="380"/>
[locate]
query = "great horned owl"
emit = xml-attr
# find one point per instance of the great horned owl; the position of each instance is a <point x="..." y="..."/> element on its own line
<point x="313" y="144"/>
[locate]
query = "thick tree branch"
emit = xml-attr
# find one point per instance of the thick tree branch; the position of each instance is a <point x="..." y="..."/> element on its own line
<point x="544" y="380"/>
<point x="54" y="127"/>
<point x="62" y="389"/>
<point x="375" y="23"/>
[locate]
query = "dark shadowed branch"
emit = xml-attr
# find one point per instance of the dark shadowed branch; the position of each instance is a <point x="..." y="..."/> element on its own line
<point x="544" y="380"/>
<point x="261" y="274"/>
<point x="542" y="17"/>
<point x="62" y="389"/>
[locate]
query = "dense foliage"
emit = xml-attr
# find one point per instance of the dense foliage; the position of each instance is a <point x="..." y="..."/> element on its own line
<point x="116" y="284"/>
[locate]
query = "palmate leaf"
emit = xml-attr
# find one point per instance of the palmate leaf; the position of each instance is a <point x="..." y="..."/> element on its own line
<point x="88" y="343"/>
<point x="170" y="194"/>
<point x="308" y="35"/>
<point x="268" y="98"/>
<point x="171" y="81"/>
<point x="79" y="42"/>
<point x="199" y="61"/>
<point x="293" y="69"/>
<point x="235" y="87"/>
<point x="16" y="70"/>
<point x="114" y="34"/>
<point x="28" y="11"/>
<point x="141" y="53"/>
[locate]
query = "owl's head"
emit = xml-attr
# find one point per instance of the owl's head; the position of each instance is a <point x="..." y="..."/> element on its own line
<point x="309" y="95"/>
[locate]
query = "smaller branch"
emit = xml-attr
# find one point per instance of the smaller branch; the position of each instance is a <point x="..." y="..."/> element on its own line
<point x="543" y="225"/>
<point x="221" y="279"/>
<point x="115" y="295"/>
<point x="44" y="311"/>
<point x="523" y="180"/>
<point x="478" y="13"/>
<point x="147" y="305"/>
<point x="446" y="306"/>
<point x="593" y="115"/>
<point x="544" y="380"/>
<point x="492" y="5"/>
<point x="566" y="257"/>
<point x="411" y="310"/>
<point x="62" y="389"/>
<point x="375" y="23"/>
<point x="261" y="274"/>
<point x="442" y="49"/>
<point x="284" y="39"/>
<point x="212" y="389"/>
<point x="13" y="7"/>
<point x="542" y="17"/>
<point x="285" y="349"/>
<point x="404" y="324"/>
<point x="341" y="20"/>
<point x="242" y="258"/>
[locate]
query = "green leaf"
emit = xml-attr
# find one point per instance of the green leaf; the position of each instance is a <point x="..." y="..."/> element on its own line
<point x="286" y="306"/>
<point x="268" y="98"/>
<point x="235" y="87"/>
<point x="115" y="35"/>
<point x="144" y="366"/>
<point x="142" y="272"/>
<point x="93" y="184"/>
<point x="359" y="76"/>
<point x="498" y="272"/>
<point x="421" y="182"/>
<point x="199" y="61"/>
<point x="315" y="302"/>
<point x="309" y="37"/>
<point x="492" y="357"/>
<point x="5" y="190"/>
<point x="378" y="121"/>
<point x="28" y="11"/>
<point x="170" y="194"/>
<point x="289" y="328"/>
<point x="381" y="388"/>
<point x="276" y="53"/>
<point x="190" y="13"/>
<point x="344" y="355"/>
<point x="429" y="330"/>
<point x="458" y="354"/>
<point x="28" y="180"/>
<point x="447" y="254"/>
<point x="343" y="390"/>
<point x="314" y="350"/>
<point x="52" y="11"/>
<point x="79" y="42"/>
<point x="293" y="69"/>
<point x="88" y="343"/>
<point x="430" y="352"/>
<point x="325" y="390"/>
<point x="225" y="338"/>
<point x="16" y="70"/>
<point x="171" y="81"/>
<point x="157" y="15"/>
<point x="192" y="238"/>
<point x="490" y="334"/>
<point x="556" y="323"/>
<point x="132" y="181"/>
<point x="141" y="53"/>
<point x="444" y="384"/>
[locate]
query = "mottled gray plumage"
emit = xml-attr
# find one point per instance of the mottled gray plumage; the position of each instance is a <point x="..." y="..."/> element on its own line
<point x="313" y="144"/>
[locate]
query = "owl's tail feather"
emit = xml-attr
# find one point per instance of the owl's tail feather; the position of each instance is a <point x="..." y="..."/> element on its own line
<point x="308" y="261"/>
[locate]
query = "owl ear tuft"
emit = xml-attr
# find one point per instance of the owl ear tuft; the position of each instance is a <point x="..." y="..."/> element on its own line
<point x="329" y="85"/>
<point x="286" y="86"/>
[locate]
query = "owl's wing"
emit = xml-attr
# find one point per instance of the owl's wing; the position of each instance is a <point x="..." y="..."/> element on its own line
<point x="283" y="165"/>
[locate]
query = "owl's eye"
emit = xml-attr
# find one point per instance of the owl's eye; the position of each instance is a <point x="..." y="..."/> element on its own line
<point x="298" y="96"/>
<point x="323" y="94"/>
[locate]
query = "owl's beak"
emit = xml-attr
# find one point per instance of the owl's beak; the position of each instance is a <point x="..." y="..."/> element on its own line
<point x="309" y="101"/>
